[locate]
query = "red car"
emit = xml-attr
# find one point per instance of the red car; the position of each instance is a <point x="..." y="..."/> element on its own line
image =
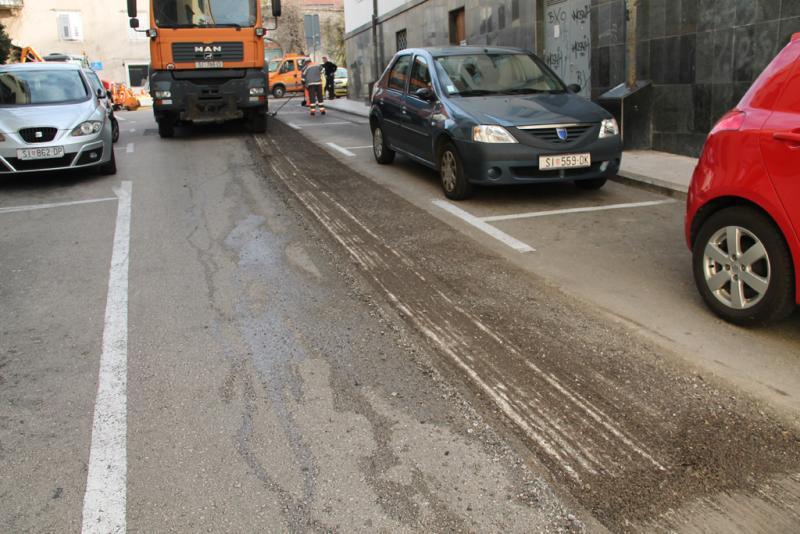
<point x="743" y="208"/>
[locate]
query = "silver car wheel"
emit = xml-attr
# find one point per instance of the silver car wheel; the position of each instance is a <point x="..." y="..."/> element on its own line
<point x="377" y="142"/>
<point x="736" y="267"/>
<point x="449" y="169"/>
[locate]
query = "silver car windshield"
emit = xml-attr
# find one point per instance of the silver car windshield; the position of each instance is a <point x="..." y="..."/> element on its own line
<point x="205" y="13"/>
<point x="483" y="74"/>
<point x="26" y="88"/>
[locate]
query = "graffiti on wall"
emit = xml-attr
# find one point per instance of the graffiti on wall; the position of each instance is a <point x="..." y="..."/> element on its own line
<point x="567" y="41"/>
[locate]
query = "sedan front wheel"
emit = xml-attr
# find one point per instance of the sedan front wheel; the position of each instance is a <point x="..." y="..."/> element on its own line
<point x="742" y="267"/>
<point x="454" y="182"/>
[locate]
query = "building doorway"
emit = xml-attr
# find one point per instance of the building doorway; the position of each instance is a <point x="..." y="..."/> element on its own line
<point x="457" y="33"/>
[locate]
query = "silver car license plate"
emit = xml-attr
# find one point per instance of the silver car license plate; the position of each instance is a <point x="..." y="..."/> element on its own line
<point x="50" y="152"/>
<point x="565" y="161"/>
<point x="208" y="64"/>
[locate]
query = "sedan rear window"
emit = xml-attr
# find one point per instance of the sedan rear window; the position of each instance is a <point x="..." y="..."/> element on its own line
<point x="481" y="74"/>
<point x="21" y="88"/>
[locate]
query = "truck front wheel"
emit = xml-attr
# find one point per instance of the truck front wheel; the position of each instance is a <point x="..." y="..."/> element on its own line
<point x="257" y="122"/>
<point x="166" y="127"/>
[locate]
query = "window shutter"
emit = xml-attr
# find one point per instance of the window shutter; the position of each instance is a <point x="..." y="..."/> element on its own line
<point x="63" y="27"/>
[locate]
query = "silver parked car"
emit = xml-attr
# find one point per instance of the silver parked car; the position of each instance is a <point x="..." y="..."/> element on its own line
<point x="51" y="118"/>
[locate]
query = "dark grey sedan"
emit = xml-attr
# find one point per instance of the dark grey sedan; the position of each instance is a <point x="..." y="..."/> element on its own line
<point x="490" y="116"/>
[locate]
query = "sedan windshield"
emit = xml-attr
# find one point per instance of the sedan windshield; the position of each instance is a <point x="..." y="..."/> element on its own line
<point x="504" y="73"/>
<point x="22" y="88"/>
<point x="205" y="13"/>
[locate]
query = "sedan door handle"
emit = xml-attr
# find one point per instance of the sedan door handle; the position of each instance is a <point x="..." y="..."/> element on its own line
<point x="788" y="137"/>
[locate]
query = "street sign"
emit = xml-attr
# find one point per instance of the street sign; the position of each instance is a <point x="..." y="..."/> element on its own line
<point x="96" y="65"/>
<point x="313" y="36"/>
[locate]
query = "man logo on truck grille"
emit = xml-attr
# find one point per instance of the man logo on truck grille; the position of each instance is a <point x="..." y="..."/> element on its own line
<point x="208" y="50"/>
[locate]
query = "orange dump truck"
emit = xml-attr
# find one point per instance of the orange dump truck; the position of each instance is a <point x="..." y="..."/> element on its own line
<point x="206" y="61"/>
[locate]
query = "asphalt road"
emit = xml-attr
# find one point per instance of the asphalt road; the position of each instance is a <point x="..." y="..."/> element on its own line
<point x="291" y="338"/>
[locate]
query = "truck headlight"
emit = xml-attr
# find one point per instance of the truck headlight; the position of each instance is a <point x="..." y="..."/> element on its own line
<point x="87" y="128"/>
<point x="160" y="95"/>
<point x="257" y="91"/>
<point x="609" y="128"/>
<point x="491" y="134"/>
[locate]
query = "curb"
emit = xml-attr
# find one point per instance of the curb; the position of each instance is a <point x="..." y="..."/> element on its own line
<point x="654" y="185"/>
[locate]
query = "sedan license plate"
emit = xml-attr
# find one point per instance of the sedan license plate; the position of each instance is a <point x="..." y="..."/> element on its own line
<point x="208" y="64"/>
<point x="51" y="152"/>
<point x="565" y="161"/>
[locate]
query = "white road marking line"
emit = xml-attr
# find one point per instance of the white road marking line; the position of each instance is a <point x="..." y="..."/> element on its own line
<point x="358" y="147"/>
<point x="130" y="148"/>
<point x="132" y="130"/>
<point x="334" y="123"/>
<point x="105" y="498"/>
<point x="341" y="150"/>
<point x="293" y="125"/>
<point x="532" y="214"/>
<point x="501" y="236"/>
<point x="121" y="118"/>
<point x="15" y="209"/>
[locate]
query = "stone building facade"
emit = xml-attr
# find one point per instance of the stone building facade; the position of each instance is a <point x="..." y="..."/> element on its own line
<point x="97" y="29"/>
<point x="700" y="55"/>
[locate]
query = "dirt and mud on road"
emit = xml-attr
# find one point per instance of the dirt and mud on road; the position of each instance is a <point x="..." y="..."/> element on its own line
<point x="639" y="439"/>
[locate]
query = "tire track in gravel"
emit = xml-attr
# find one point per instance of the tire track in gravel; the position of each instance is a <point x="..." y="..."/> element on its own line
<point x="627" y="430"/>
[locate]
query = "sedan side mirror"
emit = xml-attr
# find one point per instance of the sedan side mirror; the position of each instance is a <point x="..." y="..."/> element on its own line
<point x="574" y="88"/>
<point x="425" y="93"/>
<point x="101" y="94"/>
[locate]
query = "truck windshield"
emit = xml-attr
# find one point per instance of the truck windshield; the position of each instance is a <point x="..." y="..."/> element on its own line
<point x="31" y="87"/>
<point x="496" y="73"/>
<point x="205" y="13"/>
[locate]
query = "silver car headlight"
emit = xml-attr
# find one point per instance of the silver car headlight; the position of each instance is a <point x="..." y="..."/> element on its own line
<point x="87" y="128"/>
<point x="608" y="128"/>
<point x="489" y="133"/>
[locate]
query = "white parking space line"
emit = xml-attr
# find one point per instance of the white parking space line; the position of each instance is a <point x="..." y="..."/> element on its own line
<point x="501" y="236"/>
<point x="514" y="216"/>
<point x="130" y="148"/>
<point x="358" y="147"/>
<point x="15" y="209"/>
<point x="105" y="498"/>
<point x="341" y="150"/>
<point x="132" y="130"/>
<point x="293" y="125"/>
<point x="121" y="118"/>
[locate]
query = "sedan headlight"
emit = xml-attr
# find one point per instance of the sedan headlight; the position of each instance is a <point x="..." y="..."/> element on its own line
<point x="87" y="128"/>
<point x="609" y="128"/>
<point x="491" y="134"/>
<point x="161" y="95"/>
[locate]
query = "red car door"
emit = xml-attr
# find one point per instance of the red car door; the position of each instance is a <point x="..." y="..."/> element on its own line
<point x="780" y="142"/>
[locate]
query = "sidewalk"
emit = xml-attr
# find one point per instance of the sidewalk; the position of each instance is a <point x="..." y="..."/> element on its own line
<point x="668" y="173"/>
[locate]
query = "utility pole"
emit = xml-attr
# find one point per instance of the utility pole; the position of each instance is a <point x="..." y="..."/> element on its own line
<point x="630" y="31"/>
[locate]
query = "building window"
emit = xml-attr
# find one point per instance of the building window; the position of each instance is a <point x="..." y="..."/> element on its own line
<point x="457" y="34"/>
<point x="501" y="17"/>
<point x="514" y="9"/>
<point x="402" y="40"/>
<point x="137" y="75"/>
<point x="70" y="26"/>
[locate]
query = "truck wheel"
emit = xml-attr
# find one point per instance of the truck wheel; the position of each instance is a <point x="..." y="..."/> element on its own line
<point x="257" y="122"/>
<point x="109" y="168"/>
<point x="166" y="128"/>
<point x="278" y="91"/>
